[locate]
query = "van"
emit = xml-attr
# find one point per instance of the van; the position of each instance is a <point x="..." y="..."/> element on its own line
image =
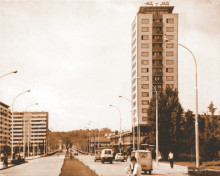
<point x="144" y="158"/>
<point x="107" y="155"/>
<point x="97" y="155"/>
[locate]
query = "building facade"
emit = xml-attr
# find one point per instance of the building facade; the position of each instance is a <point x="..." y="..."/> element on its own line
<point x="154" y="60"/>
<point x="30" y="128"/>
<point x="5" y="121"/>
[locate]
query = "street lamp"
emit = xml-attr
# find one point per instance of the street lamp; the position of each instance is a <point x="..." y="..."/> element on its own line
<point x="90" y="123"/>
<point x="12" y="125"/>
<point x="34" y="104"/>
<point x="9" y="73"/>
<point x="132" y="120"/>
<point x="196" y="116"/>
<point x="120" y="123"/>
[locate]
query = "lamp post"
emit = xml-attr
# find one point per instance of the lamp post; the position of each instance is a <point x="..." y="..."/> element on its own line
<point x="4" y="76"/>
<point x="196" y="116"/>
<point x="120" y="123"/>
<point x="12" y="125"/>
<point x="90" y="123"/>
<point x="132" y="120"/>
<point x="8" y="73"/>
<point x="28" y="131"/>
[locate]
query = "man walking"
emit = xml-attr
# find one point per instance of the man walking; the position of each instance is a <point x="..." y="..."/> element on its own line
<point x="170" y="157"/>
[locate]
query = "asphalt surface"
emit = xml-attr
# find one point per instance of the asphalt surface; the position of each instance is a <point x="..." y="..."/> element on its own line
<point x="46" y="166"/>
<point x="74" y="167"/>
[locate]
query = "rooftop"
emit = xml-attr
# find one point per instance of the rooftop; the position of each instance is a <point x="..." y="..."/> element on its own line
<point x="156" y="9"/>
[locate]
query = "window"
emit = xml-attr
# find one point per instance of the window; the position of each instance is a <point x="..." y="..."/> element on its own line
<point x="134" y="96"/>
<point x="169" y="70"/>
<point x="169" y="45"/>
<point x="145" y="21"/>
<point x="145" y="78"/>
<point x="145" y="94"/>
<point x="144" y="110"/>
<point x="170" y="37"/>
<point x="170" y="20"/>
<point x="144" y="70"/>
<point x="145" y="102"/>
<point x="169" y="78"/>
<point x="170" y="29"/>
<point x="145" y="45"/>
<point x="145" y="62"/>
<point x="169" y="62"/>
<point x="144" y="54"/>
<point x="145" y="86"/>
<point x="170" y="86"/>
<point x="169" y="53"/>
<point x="145" y="29"/>
<point x="144" y="119"/>
<point x="134" y="73"/>
<point x="145" y="37"/>
<point x="134" y="104"/>
<point x="134" y="88"/>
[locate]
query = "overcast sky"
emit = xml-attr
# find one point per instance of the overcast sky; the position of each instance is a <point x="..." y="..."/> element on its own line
<point x="74" y="55"/>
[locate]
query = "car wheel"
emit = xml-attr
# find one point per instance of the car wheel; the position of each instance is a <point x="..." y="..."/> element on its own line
<point x="150" y="172"/>
<point x="102" y="161"/>
<point x="110" y="161"/>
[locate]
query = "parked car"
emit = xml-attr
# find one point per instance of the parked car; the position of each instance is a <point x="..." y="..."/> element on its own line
<point x="107" y="156"/>
<point x="144" y="158"/>
<point x="75" y="153"/>
<point x="97" y="155"/>
<point x="120" y="157"/>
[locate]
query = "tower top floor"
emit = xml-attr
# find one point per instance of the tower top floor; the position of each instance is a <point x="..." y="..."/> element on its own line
<point x="156" y="9"/>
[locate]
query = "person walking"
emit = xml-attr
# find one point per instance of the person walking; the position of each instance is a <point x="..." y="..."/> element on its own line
<point x="6" y="160"/>
<point x="170" y="157"/>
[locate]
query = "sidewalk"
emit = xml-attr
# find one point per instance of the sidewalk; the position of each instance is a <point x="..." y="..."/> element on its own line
<point x="165" y="168"/>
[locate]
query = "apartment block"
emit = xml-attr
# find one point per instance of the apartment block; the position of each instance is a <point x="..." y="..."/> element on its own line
<point x="154" y="60"/>
<point x="32" y="128"/>
<point x="5" y="121"/>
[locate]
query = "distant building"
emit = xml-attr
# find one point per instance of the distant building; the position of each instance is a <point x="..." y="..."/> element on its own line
<point x="5" y="121"/>
<point x="154" y="60"/>
<point x="32" y="128"/>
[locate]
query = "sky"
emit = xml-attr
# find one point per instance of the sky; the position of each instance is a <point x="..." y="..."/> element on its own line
<point x="75" y="57"/>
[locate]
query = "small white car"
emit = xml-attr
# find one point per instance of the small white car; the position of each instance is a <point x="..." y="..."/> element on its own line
<point x="119" y="157"/>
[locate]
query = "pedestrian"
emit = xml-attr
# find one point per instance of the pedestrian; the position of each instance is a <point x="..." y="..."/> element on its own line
<point x="5" y="160"/>
<point x="2" y="156"/>
<point x="170" y="157"/>
<point x="136" y="171"/>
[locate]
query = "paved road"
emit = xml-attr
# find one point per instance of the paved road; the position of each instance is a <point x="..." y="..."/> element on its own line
<point x="46" y="166"/>
<point x="118" y="168"/>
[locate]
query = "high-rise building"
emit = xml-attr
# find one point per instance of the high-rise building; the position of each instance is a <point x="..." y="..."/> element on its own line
<point x="5" y="121"/>
<point x="32" y="128"/>
<point x="154" y="60"/>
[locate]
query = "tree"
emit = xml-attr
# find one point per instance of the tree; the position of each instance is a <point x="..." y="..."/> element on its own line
<point x="169" y="117"/>
<point x="211" y="108"/>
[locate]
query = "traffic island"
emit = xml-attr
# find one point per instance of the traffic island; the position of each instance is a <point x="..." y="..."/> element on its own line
<point x="72" y="167"/>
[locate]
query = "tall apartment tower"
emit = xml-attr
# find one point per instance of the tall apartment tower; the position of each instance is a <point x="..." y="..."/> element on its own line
<point x="30" y="128"/>
<point x="5" y="121"/>
<point x="154" y="61"/>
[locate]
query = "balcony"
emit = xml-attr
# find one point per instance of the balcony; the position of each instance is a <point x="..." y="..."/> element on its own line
<point x="157" y="48"/>
<point x="157" y="81"/>
<point x="157" y="32"/>
<point x="157" y="73"/>
<point x="157" y="40"/>
<point x="157" y="24"/>
<point x="157" y="65"/>
<point x="157" y="57"/>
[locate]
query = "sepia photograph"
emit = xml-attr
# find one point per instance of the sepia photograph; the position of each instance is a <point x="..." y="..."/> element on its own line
<point x="109" y="87"/>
